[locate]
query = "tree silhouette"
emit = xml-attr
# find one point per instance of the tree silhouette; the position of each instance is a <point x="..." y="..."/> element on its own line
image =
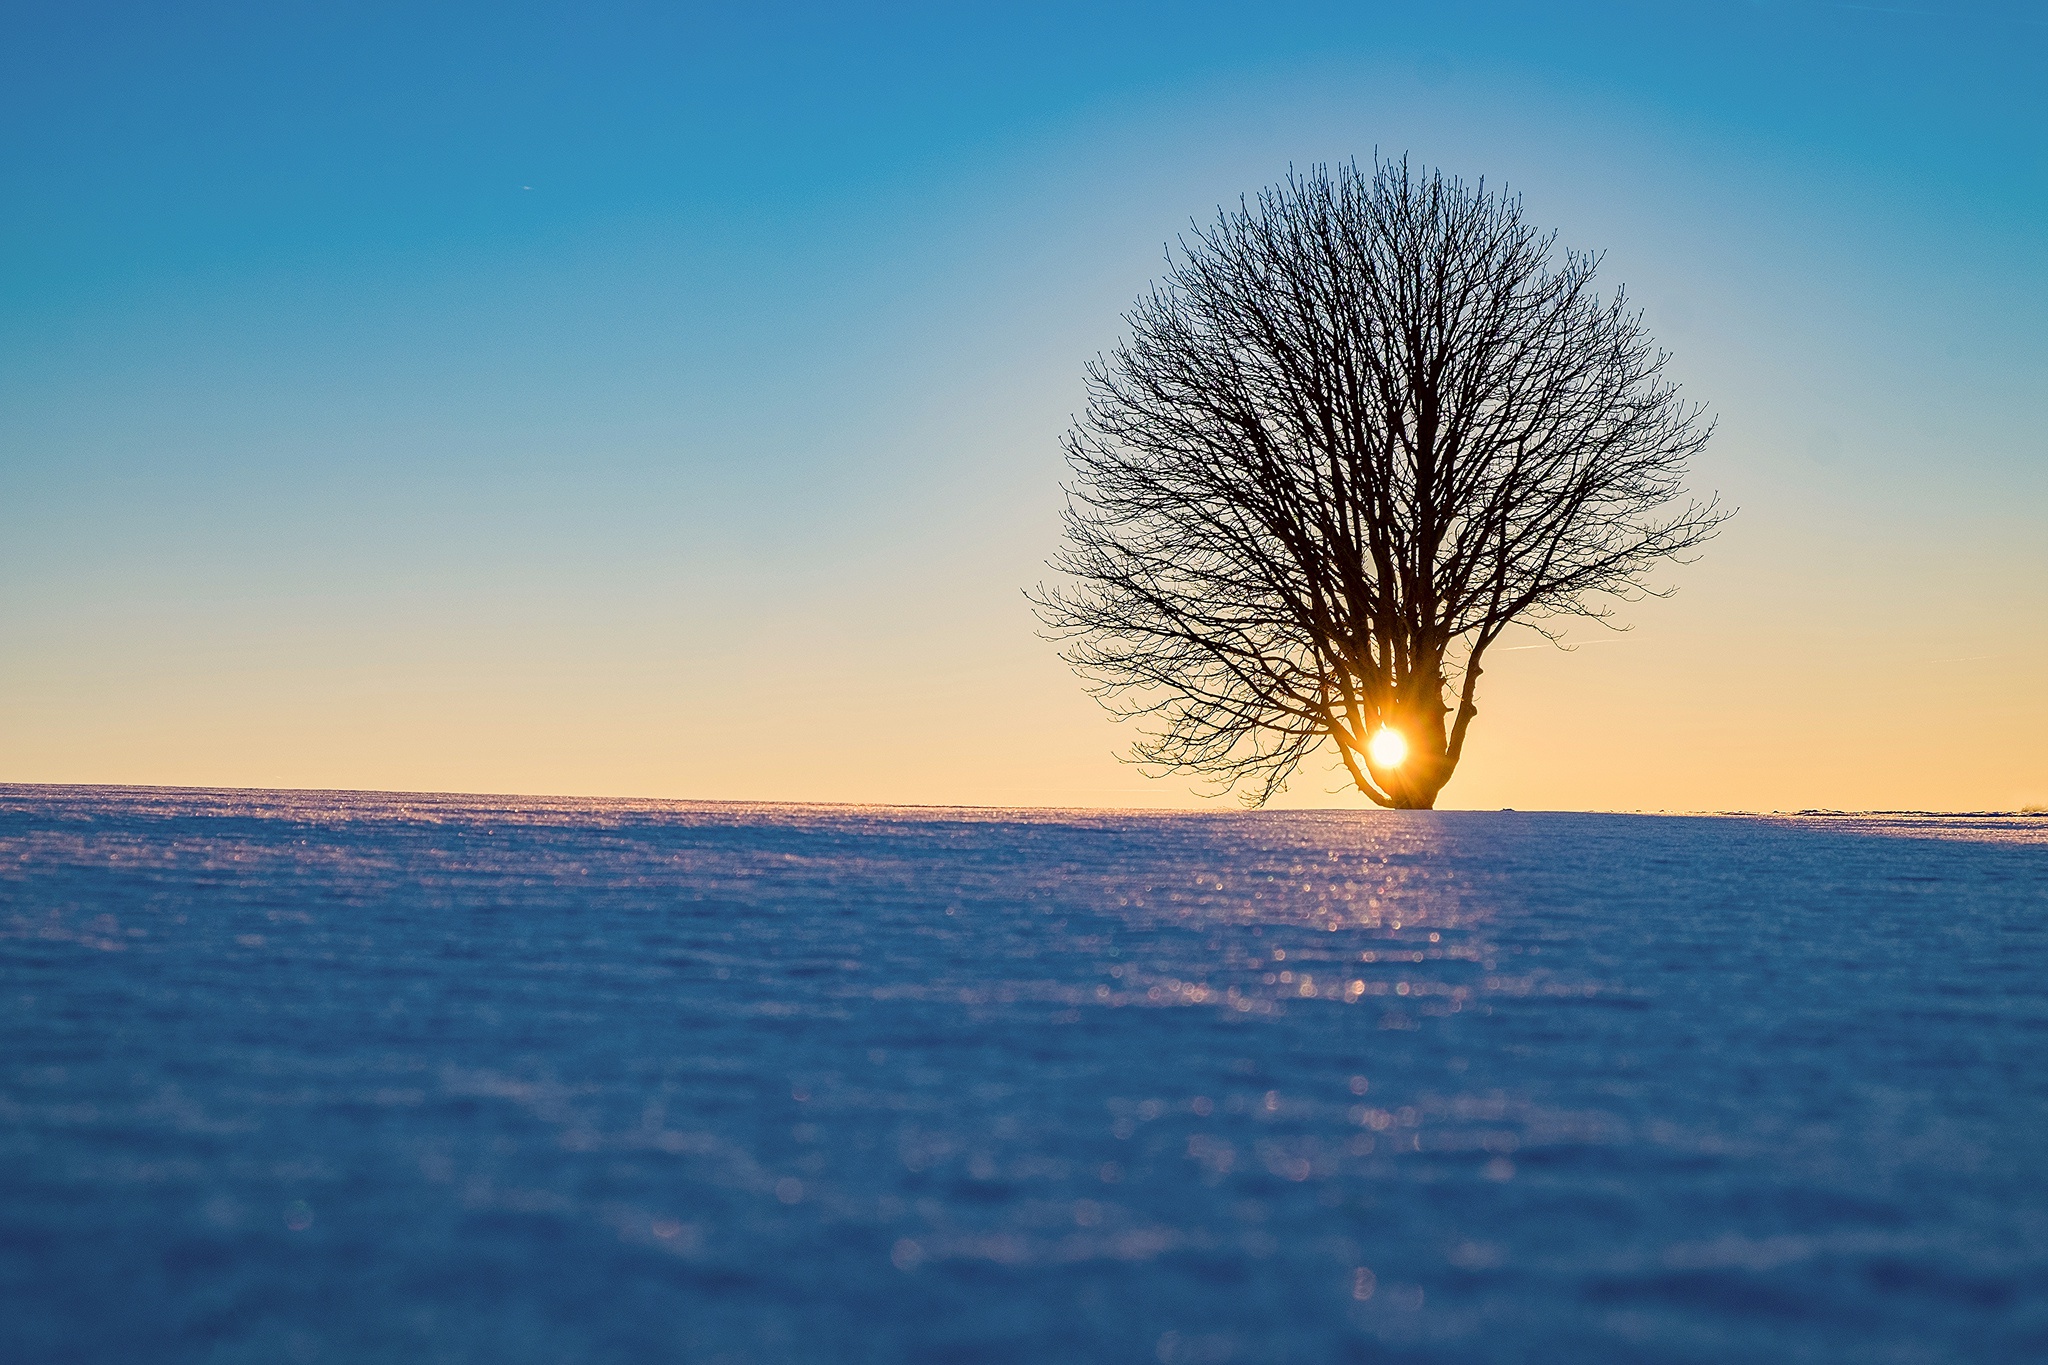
<point x="1364" y="424"/>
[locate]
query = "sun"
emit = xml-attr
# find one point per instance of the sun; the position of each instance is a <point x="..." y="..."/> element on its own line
<point x="1387" y="749"/>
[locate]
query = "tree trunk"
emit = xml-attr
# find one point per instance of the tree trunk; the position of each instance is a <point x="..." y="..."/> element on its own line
<point x="1415" y="782"/>
<point x="1417" y="795"/>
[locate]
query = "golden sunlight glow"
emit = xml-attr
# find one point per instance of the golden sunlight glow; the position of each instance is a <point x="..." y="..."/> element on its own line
<point x="1387" y="749"/>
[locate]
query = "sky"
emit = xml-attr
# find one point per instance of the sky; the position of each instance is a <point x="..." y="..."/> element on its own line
<point x="665" y="401"/>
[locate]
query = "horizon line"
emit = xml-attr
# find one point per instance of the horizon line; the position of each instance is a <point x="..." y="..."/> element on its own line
<point x="7" y="787"/>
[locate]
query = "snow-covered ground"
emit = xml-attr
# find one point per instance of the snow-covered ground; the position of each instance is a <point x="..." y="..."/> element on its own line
<point x="319" y="1077"/>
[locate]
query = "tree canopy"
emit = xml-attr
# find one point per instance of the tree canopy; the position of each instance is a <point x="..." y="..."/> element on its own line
<point x="1364" y="424"/>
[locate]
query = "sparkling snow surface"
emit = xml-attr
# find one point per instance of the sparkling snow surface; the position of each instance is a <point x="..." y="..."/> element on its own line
<point x="315" y="1077"/>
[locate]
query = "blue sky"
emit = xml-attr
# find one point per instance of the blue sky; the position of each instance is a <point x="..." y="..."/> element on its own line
<point x="658" y="400"/>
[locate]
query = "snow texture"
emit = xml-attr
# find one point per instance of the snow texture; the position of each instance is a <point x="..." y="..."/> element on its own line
<point x="353" y="1078"/>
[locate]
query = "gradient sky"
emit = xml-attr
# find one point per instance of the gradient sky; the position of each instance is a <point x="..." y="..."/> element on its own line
<point x="647" y="400"/>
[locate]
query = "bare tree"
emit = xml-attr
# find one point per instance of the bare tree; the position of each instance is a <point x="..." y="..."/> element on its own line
<point x="1365" y="424"/>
